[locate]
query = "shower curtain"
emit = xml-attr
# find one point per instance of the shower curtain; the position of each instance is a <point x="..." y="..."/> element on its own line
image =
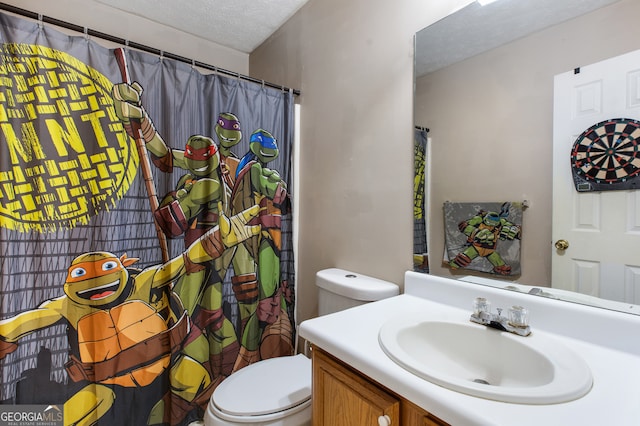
<point x="145" y="231"/>
<point x="420" y="252"/>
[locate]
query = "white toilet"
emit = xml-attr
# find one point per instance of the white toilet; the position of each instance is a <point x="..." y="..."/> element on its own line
<point x="277" y="391"/>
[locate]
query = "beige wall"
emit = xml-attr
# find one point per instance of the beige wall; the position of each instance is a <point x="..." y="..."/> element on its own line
<point x="491" y="124"/>
<point x="353" y="62"/>
<point x="99" y="17"/>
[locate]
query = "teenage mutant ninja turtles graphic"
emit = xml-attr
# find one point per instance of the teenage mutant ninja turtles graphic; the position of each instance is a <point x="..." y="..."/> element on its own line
<point x="200" y="196"/>
<point x="147" y="345"/>
<point x="262" y="297"/>
<point x="215" y="177"/>
<point x="127" y="329"/>
<point x="192" y="208"/>
<point x="484" y="232"/>
<point x="229" y="134"/>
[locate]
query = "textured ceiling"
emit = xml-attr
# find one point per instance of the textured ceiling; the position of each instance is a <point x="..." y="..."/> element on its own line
<point x="476" y="29"/>
<point x="239" y="24"/>
<point x="244" y="24"/>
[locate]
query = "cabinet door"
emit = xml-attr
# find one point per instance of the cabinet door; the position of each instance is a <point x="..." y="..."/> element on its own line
<point x="412" y="415"/>
<point x="342" y="397"/>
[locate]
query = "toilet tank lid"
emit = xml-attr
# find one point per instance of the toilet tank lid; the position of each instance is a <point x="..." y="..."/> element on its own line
<point x="354" y="285"/>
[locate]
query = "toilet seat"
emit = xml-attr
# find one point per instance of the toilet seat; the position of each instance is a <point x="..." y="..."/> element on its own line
<point x="286" y="388"/>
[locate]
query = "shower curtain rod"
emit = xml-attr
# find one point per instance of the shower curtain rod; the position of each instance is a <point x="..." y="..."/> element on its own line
<point x="138" y="46"/>
<point x="424" y="129"/>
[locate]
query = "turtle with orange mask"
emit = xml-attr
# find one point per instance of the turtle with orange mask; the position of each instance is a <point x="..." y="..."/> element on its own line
<point x="127" y="328"/>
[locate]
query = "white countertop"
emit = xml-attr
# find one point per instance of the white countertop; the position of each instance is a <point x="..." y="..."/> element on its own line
<point x="352" y="336"/>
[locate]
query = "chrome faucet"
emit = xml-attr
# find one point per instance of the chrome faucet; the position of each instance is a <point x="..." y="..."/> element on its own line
<point x="517" y="322"/>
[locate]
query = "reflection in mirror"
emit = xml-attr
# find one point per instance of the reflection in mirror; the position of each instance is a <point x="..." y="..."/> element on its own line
<point x="420" y="205"/>
<point x="485" y="88"/>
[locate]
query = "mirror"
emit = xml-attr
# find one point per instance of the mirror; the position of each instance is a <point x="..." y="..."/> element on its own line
<point x="484" y="88"/>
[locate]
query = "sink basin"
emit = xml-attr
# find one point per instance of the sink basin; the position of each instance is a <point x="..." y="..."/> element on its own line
<point x="487" y="363"/>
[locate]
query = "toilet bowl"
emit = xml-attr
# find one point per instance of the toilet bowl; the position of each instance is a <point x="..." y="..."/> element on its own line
<point x="274" y="391"/>
<point x="277" y="391"/>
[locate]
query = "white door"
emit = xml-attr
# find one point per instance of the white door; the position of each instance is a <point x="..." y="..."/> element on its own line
<point x="602" y="228"/>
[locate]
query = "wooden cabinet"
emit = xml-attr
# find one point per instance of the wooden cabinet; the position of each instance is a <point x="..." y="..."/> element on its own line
<point x="412" y="415"/>
<point x="343" y="396"/>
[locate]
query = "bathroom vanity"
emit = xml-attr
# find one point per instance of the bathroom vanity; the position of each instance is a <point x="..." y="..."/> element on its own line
<point x="344" y="396"/>
<point x="353" y="375"/>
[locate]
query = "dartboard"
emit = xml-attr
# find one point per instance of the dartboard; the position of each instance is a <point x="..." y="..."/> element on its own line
<point x="606" y="156"/>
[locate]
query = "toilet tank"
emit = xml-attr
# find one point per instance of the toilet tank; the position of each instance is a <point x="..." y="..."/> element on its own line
<point x="339" y="289"/>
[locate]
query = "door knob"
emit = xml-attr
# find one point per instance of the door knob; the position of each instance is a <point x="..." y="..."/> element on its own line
<point x="562" y="245"/>
<point x="384" y="420"/>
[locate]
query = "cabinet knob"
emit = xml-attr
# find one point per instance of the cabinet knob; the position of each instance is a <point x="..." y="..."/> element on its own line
<point x="384" y="420"/>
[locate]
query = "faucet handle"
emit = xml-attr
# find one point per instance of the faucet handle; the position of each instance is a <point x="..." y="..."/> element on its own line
<point x="499" y="311"/>
<point x="480" y="305"/>
<point x="518" y="316"/>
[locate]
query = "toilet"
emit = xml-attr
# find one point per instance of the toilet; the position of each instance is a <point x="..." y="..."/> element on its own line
<point x="277" y="391"/>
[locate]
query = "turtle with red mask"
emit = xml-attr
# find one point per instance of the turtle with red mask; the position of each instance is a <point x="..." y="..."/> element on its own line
<point x="190" y="210"/>
<point x="126" y="328"/>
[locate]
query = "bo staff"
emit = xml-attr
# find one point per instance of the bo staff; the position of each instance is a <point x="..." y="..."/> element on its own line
<point x="144" y="158"/>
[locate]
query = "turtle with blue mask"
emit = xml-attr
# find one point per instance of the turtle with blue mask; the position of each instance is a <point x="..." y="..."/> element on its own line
<point x="263" y="300"/>
<point x="484" y="231"/>
<point x="263" y="147"/>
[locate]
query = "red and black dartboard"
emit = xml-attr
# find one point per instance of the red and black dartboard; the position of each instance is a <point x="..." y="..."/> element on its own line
<point x="606" y="156"/>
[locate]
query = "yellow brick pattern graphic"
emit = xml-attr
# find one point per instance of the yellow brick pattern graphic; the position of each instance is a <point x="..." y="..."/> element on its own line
<point x="64" y="155"/>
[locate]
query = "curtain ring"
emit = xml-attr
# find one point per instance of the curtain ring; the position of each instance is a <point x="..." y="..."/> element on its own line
<point x="86" y="33"/>
<point x="40" y="21"/>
